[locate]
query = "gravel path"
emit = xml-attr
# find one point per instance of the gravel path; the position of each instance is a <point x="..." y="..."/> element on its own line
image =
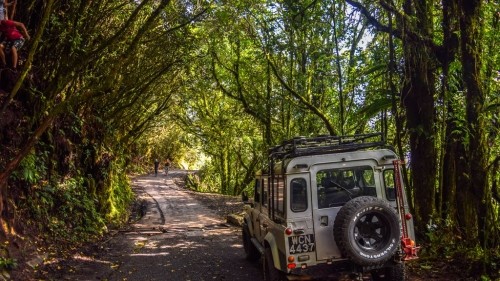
<point x="223" y="205"/>
<point x="181" y="235"/>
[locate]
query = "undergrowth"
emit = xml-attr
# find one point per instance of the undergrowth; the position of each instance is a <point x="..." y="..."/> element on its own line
<point x="75" y="210"/>
<point x="66" y="212"/>
<point x="445" y="244"/>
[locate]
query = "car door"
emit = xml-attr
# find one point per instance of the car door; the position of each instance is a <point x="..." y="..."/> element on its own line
<point x="332" y="186"/>
<point x="258" y="208"/>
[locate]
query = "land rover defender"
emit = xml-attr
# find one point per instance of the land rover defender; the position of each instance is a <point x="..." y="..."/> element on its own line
<point x="330" y="203"/>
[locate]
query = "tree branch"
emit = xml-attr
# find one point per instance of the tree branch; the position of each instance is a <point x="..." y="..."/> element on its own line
<point x="373" y="21"/>
<point x="406" y="33"/>
<point x="302" y="100"/>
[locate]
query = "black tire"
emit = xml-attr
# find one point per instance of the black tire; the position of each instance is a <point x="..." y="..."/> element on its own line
<point x="271" y="273"/>
<point x="367" y="230"/>
<point x="251" y="252"/>
<point x="397" y="272"/>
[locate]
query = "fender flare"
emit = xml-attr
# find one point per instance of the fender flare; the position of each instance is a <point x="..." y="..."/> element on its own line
<point x="270" y="242"/>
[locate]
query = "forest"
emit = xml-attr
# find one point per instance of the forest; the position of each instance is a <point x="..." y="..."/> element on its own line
<point x="105" y="87"/>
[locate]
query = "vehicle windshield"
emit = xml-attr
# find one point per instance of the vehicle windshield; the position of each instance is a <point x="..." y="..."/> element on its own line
<point x="337" y="186"/>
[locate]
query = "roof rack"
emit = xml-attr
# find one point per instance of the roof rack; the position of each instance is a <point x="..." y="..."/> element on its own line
<point x="302" y="146"/>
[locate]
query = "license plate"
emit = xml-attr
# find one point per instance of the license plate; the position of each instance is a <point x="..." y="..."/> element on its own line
<point x="301" y="244"/>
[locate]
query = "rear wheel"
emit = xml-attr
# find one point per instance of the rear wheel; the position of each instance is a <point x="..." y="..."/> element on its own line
<point x="251" y="252"/>
<point x="271" y="273"/>
<point x="393" y="273"/>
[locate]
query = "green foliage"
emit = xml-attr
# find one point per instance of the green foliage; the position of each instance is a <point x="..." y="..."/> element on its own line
<point x="193" y="182"/>
<point x="72" y="212"/>
<point x="168" y="140"/>
<point x="30" y="169"/>
<point x="119" y="197"/>
<point x="66" y="211"/>
<point x="7" y="263"/>
<point x="375" y="107"/>
<point x="209" y="179"/>
<point x="446" y="243"/>
<point x="440" y="234"/>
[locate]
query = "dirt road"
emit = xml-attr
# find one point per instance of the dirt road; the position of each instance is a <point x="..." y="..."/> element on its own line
<point x="178" y="238"/>
<point x="181" y="235"/>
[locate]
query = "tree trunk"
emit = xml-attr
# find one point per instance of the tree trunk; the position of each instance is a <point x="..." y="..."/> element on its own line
<point x="396" y="112"/>
<point x="453" y="153"/>
<point x="470" y="29"/>
<point x="418" y="99"/>
<point x="268" y="140"/>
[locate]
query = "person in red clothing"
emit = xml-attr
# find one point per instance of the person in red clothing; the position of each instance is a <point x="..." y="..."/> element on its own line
<point x="13" y="35"/>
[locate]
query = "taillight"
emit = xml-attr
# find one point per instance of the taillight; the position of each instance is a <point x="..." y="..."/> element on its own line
<point x="288" y="231"/>
<point x="408" y="216"/>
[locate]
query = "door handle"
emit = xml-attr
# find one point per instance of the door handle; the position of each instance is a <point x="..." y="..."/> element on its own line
<point x="298" y="231"/>
<point x="323" y="220"/>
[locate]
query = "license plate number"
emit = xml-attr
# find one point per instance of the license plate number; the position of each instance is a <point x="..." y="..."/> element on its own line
<point x="301" y="244"/>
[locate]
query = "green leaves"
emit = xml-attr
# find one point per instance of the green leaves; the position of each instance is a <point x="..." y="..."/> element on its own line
<point x="375" y="107"/>
<point x="7" y="263"/>
<point x="31" y="168"/>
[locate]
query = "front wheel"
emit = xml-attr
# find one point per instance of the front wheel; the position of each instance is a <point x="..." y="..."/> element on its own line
<point x="251" y="252"/>
<point x="271" y="273"/>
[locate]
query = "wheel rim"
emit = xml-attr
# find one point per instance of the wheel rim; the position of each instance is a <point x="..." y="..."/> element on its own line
<point x="372" y="232"/>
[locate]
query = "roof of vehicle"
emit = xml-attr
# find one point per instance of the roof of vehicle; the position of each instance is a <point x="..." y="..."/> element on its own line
<point x="302" y="146"/>
<point x="300" y="153"/>
<point x="382" y="156"/>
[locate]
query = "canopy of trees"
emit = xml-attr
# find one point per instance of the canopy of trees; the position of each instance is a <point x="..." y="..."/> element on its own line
<point x="106" y="86"/>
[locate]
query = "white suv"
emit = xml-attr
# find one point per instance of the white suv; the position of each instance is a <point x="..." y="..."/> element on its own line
<point x="330" y="204"/>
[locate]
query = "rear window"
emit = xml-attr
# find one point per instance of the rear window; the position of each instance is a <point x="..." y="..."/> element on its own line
<point x="337" y="186"/>
<point x="298" y="195"/>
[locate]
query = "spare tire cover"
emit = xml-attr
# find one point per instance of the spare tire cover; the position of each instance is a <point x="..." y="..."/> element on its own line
<point x="367" y="230"/>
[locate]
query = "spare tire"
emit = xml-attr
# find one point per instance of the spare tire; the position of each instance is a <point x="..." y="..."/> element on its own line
<point x="367" y="230"/>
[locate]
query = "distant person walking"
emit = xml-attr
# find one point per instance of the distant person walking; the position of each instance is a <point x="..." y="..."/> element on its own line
<point x="167" y="166"/>
<point x="157" y="164"/>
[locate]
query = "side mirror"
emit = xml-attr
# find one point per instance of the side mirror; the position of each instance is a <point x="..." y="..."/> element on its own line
<point x="244" y="198"/>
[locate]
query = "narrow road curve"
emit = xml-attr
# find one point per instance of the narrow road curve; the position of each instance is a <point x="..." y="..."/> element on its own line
<point x="178" y="238"/>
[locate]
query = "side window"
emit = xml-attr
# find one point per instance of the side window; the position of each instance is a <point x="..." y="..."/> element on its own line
<point x="298" y="195"/>
<point x="279" y="190"/>
<point x="390" y="191"/>
<point x="265" y="196"/>
<point x="257" y="190"/>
